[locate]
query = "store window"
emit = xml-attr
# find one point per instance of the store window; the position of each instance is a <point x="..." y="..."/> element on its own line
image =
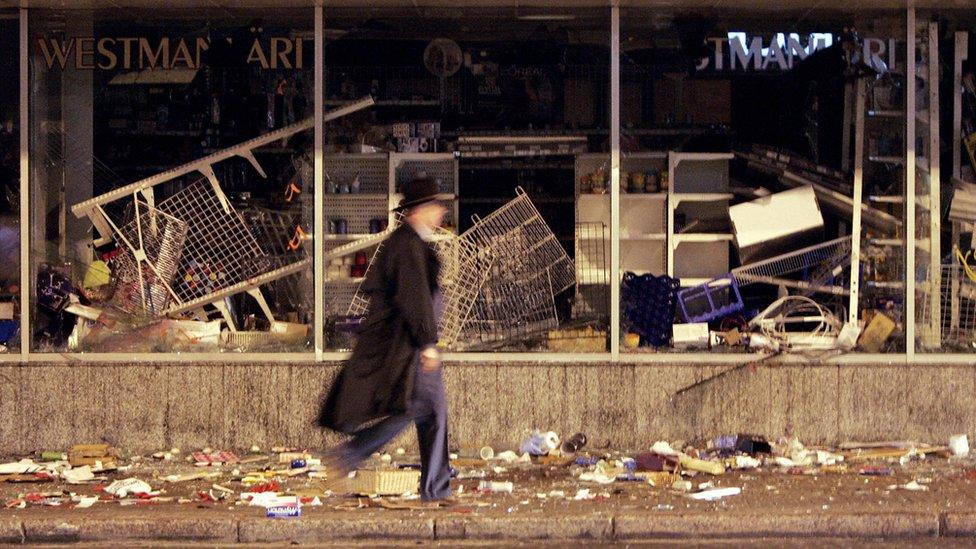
<point x="748" y="143"/>
<point x="508" y="111"/>
<point x="9" y="183"/>
<point x="171" y="180"/>
<point x="945" y="181"/>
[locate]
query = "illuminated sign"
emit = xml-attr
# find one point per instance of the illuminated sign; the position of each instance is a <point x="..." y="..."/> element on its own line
<point x="163" y="53"/>
<point x="739" y="52"/>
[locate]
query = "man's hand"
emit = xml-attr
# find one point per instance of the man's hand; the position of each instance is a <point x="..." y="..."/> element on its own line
<point x="430" y="359"/>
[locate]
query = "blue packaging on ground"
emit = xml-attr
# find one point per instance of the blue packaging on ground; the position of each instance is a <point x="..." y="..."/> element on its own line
<point x="284" y="511"/>
<point x="298" y="464"/>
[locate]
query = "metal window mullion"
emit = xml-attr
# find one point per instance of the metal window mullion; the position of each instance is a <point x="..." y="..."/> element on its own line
<point x="318" y="278"/>
<point x="860" y="98"/>
<point x="935" y="185"/>
<point x="25" y="303"/>
<point x="910" y="175"/>
<point x="961" y="54"/>
<point x="615" y="180"/>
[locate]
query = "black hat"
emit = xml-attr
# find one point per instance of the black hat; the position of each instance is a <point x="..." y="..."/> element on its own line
<point x="420" y="190"/>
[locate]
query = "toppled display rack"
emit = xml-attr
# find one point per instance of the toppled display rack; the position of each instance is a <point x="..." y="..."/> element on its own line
<point x="193" y="249"/>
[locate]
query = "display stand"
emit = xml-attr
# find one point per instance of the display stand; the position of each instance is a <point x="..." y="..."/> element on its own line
<point x="699" y="196"/>
<point x="349" y="215"/>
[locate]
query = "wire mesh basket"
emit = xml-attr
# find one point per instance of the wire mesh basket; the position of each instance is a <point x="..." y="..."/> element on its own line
<point x="817" y="265"/>
<point x="220" y="250"/>
<point x="147" y="268"/>
<point x="592" y="244"/>
<point x="529" y="267"/>
<point x="498" y="279"/>
<point x="947" y="321"/>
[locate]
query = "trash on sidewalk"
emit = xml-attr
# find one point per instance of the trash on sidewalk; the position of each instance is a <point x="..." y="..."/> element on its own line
<point x="912" y="486"/>
<point x="204" y="459"/>
<point x="494" y="487"/>
<point x="22" y="467"/>
<point x="712" y="494"/>
<point x="268" y="499"/>
<point x="539" y="443"/>
<point x="651" y="461"/>
<point x="130" y="486"/>
<point x="574" y="443"/>
<point x="78" y="475"/>
<point x="391" y="482"/>
<point x="284" y="511"/>
<point x="959" y="445"/>
<point x="94" y="455"/>
<point x="84" y="502"/>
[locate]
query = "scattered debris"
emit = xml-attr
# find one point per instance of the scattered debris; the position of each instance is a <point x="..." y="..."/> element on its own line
<point x="129" y="486"/>
<point x="712" y="494"/>
<point x="913" y="486"/>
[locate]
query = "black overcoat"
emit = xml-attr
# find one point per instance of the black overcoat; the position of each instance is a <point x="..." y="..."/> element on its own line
<point x="377" y="380"/>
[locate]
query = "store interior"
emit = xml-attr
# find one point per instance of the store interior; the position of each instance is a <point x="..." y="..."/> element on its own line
<point x="745" y="142"/>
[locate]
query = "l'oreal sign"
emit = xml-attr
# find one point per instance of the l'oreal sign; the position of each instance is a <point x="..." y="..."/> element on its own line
<point x="739" y="52"/>
<point x="129" y="52"/>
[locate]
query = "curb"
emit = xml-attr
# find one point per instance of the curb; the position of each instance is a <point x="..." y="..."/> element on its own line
<point x="315" y="529"/>
<point x="312" y="529"/>
<point x="176" y="529"/>
<point x="11" y="531"/>
<point x="959" y="524"/>
<point x="525" y="528"/>
<point x="874" y="525"/>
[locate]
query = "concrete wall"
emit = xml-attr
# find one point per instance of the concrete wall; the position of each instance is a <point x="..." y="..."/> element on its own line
<point x="153" y="406"/>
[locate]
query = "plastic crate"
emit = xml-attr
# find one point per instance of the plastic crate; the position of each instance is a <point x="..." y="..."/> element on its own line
<point x="712" y="300"/>
<point x="648" y="304"/>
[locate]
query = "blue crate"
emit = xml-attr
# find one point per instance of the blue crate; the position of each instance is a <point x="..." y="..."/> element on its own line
<point x="712" y="300"/>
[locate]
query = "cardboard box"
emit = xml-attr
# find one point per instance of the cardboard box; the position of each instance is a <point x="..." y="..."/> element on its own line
<point x="691" y="335"/>
<point x="6" y="310"/>
<point x="776" y="224"/>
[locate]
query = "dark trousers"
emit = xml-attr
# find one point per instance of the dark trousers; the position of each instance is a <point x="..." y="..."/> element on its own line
<point x="428" y="410"/>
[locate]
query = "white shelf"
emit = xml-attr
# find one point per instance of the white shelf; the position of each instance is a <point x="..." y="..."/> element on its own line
<point x="644" y="196"/>
<point x="639" y="272"/>
<point x="654" y="237"/>
<point x="700" y="157"/>
<point x="885" y="285"/>
<point x="593" y="274"/>
<point x="897" y="160"/>
<point x="344" y="280"/>
<point x="689" y="282"/>
<point x="681" y="238"/>
<point x="886" y="242"/>
<point x="700" y="197"/>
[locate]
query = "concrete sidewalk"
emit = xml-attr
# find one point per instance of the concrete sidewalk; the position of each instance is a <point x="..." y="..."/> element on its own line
<point x="249" y="526"/>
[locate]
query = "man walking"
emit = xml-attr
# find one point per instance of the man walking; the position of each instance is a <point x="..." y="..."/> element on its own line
<point x="394" y="377"/>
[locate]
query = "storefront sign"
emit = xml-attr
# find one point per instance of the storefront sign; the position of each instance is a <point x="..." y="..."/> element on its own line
<point x="164" y="53"/>
<point x="739" y="52"/>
